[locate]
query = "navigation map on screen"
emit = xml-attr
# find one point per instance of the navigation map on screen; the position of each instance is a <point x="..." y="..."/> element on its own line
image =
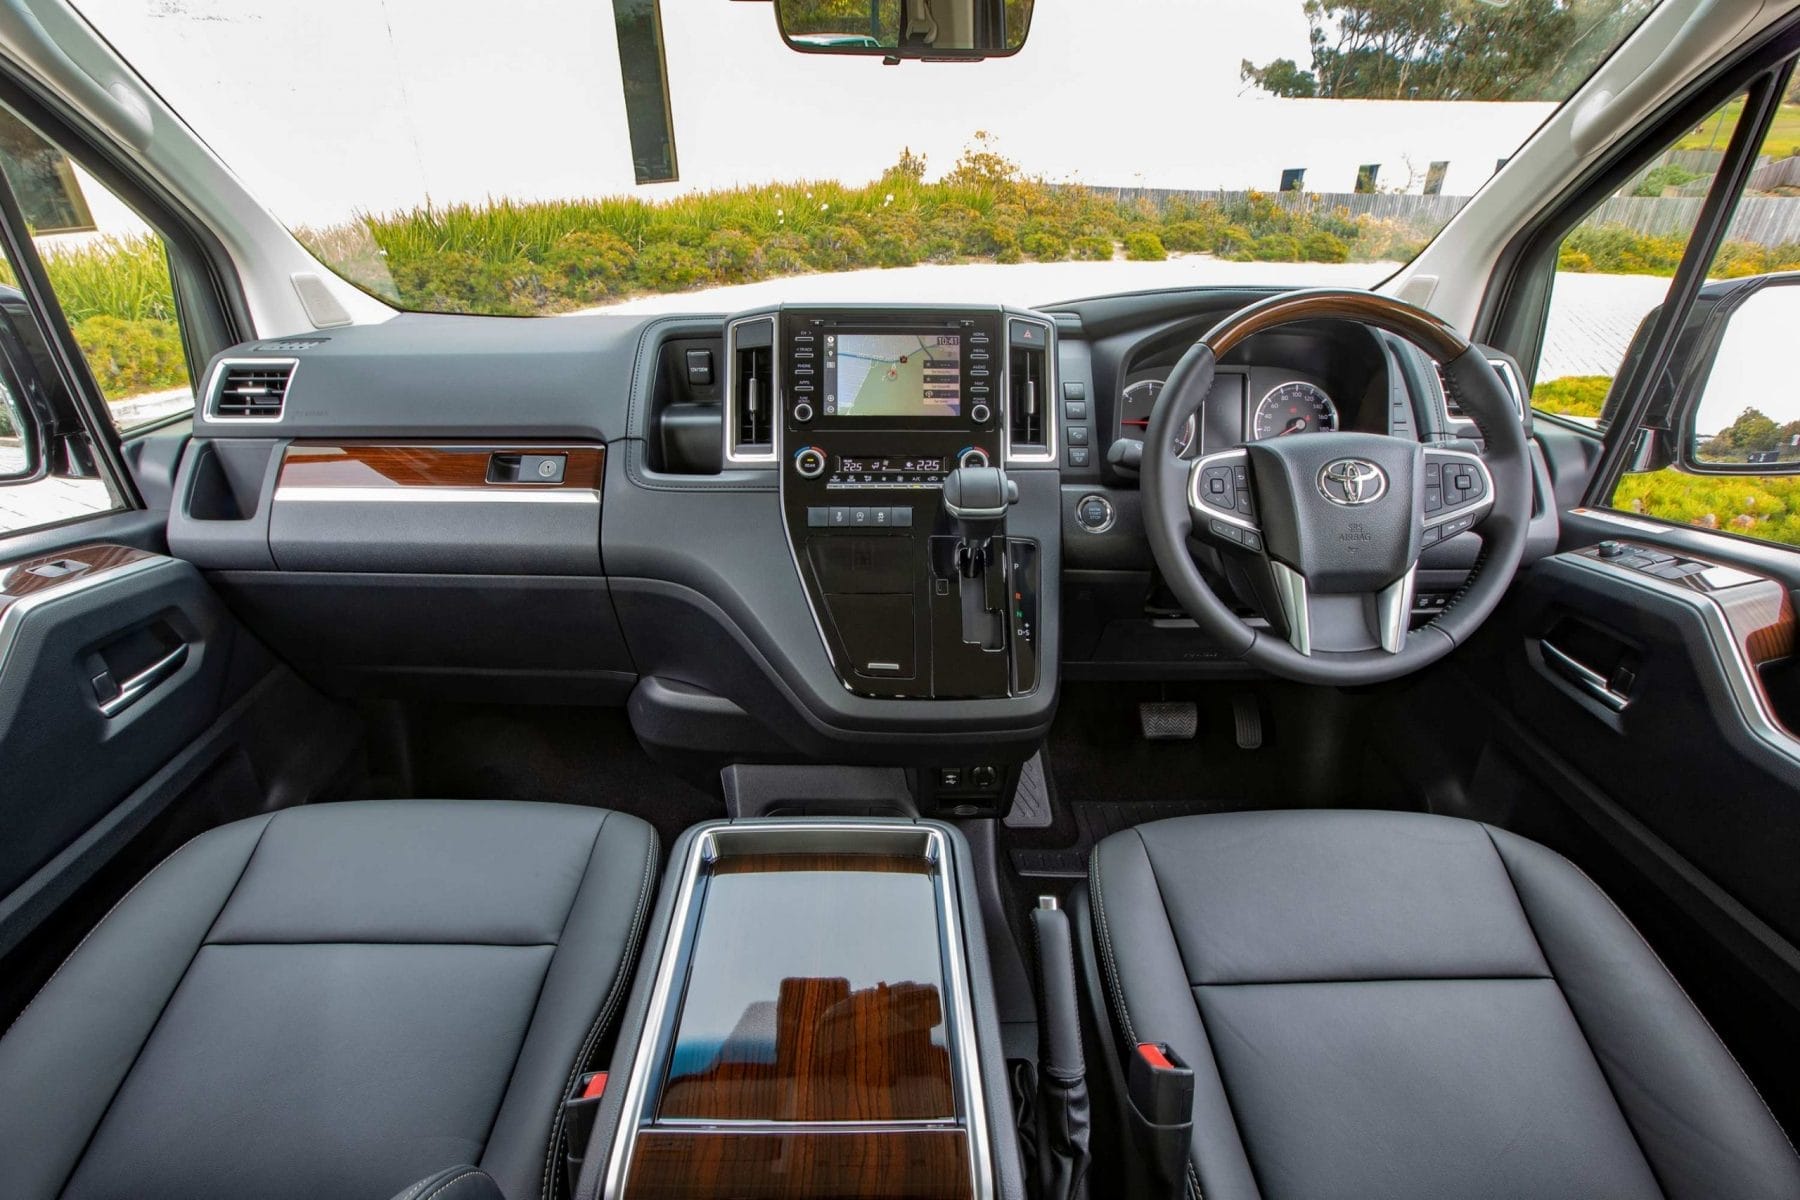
<point x="893" y="375"/>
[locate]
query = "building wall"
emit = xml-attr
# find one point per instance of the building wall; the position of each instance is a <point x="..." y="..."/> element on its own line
<point x="337" y="106"/>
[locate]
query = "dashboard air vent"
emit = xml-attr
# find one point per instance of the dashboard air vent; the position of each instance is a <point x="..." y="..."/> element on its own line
<point x="251" y="390"/>
<point x="1508" y="377"/>
<point x="750" y="394"/>
<point x="1030" y="407"/>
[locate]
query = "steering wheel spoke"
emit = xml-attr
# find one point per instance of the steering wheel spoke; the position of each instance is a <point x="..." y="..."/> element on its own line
<point x="1221" y="501"/>
<point x="1458" y="493"/>
<point x="1347" y="620"/>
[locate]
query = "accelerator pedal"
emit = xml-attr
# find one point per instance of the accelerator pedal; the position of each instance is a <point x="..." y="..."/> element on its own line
<point x="1246" y="714"/>
<point x="1168" y="720"/>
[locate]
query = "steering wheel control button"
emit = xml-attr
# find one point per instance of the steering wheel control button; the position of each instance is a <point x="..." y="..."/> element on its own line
<point x="1095" y="514"/>
<point x="803" y="412"/>
<point x="810" y="462"/>
<point x="1230" y="533"/>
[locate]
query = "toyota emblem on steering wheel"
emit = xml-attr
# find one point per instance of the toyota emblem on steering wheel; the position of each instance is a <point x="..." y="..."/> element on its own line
<point x="1352" y="481"/>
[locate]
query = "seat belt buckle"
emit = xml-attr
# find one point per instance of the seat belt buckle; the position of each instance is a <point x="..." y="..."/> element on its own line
<point x="1161" y="1085"/>
<point x="580" y="1107"/>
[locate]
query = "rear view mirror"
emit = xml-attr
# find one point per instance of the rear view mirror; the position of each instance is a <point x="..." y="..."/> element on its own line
<point x="1747" y="419"/>
<point x="897" y="29"/>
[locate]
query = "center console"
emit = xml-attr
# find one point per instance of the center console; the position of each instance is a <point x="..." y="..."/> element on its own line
<point x="812" y="1024"/>
<point x="894" y="431"/>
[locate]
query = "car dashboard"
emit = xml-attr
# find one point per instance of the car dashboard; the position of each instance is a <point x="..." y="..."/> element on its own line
<point x="754" y="530"/>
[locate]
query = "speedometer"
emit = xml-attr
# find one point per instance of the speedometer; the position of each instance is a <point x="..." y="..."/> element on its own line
<point x="1135" y="406"/>
<point x="1293" y="407"/>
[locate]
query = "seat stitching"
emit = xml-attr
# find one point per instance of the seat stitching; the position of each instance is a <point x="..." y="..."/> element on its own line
<point x="442" y="1188"/>
<point x="1657" y="958"/>
<point x="96" y="929"/>
<point x="1606" y="1078"/>
<point x="163" y="1011"/>
<point x="1106" y="949"/>
<point x="605" y="1015"/>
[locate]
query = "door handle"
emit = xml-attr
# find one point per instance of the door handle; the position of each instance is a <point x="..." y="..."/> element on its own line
<point x="137" y="686"/>
<point x="1584" y="677"/>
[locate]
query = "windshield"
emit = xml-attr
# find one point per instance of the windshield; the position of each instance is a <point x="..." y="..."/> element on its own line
<point x="566" y="156"/>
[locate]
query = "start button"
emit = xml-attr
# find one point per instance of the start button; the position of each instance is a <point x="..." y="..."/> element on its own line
<point x="1094" y="513"/>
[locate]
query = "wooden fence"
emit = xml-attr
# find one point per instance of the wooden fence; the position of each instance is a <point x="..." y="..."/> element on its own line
<point x="1764" y="220"/>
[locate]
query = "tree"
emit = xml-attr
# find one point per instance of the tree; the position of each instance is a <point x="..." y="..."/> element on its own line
<point x="1450" y="49"/>
<point x="1752" y="433"/>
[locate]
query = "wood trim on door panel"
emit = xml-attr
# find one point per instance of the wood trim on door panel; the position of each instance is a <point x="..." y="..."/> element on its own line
<point x="322" y="464"/>
<point x="20" y="579"/>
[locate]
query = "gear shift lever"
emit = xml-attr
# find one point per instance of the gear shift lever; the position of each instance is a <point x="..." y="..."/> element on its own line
<point x="976" y="500"/>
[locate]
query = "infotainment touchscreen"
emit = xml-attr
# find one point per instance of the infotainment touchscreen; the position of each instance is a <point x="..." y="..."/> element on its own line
<point x="893" y="374"/>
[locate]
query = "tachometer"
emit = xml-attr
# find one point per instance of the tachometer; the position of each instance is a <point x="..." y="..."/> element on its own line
<point x="1135" y="405"/>
<point x="1294" y="407"/>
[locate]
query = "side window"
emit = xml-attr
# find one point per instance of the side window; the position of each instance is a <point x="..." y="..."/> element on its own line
<point x="1615" y="267"/>
<point x="110" y="273"/>
<point x="1738" y="467"/>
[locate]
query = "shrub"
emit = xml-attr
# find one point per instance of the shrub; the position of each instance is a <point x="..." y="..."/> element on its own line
<point x="1659" y="179"/>
<point x="589" y="264"/>
<point x="838" y="248"/>
<point x="1320" y="246"/>
<point x="1045" y="246"/>
<point x="1006" y="244"/>
<point x="1276" y="247"/>
<point x="1234" y="243"/>
<point x="1092" y="249"/>
<point x="893" y="248"/>
<point x="129" y="357"/>
<point x="1190" y="236"/>
<point x="668" y="267"/>
<point x="732" y="255"/>
<point x="785" y="253"/>
<point x="1572" y="395"/>
<point x="1144" y="246"/>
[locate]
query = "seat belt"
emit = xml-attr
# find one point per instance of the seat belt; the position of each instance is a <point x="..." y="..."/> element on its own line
<point x="1062" y="1118"/>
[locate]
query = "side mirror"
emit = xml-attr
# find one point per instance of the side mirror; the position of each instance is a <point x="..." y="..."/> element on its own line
<point x="22" y="456"/>
<point x="897" y="29"/>
<point x="1743" y="412"/>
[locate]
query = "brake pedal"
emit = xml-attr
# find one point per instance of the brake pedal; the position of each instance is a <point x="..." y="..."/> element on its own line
<point x="1168" y="720"/>
<point x="1246" y="715"/>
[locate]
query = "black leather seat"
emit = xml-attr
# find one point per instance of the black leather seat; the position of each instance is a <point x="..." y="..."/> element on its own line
<point x="1401" y="1005"/>
<point x="331" y="1001"/>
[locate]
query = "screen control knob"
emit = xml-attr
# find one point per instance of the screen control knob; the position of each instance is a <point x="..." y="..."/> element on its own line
<point x="972" y="456"/>
<point x="803" y="412"/>
<point x="980" y="414"/>
<point x="810" y="462"/>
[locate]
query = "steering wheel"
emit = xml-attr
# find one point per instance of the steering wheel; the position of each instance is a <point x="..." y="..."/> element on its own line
<point x="1330" y="525"/>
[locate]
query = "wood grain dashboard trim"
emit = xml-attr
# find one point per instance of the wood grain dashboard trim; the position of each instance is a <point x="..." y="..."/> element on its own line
<point x="363" y="466"/>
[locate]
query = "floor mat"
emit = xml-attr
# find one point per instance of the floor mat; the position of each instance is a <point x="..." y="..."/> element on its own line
<point x="565" y="755"/>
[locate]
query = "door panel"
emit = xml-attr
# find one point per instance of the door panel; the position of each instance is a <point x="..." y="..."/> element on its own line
<point x="112" y="660"/>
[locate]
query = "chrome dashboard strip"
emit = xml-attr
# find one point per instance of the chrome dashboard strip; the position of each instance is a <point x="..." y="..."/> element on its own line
<point x="435" y="495"/>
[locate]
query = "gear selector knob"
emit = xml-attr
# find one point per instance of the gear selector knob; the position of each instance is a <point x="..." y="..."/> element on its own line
<point x="976" y="500"/>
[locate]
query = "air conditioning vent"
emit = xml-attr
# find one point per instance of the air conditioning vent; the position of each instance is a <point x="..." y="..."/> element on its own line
<point x="1030" y="385"/>
<point x="755" y="408"/>
<point x="1508" y="377"/>
<point x="251" y="390"/>
<point x="751" y="391"/>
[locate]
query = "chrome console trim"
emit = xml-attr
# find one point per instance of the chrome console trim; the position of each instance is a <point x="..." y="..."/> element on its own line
<point x="720" y="839"/>
<point x="774" y="398"/>
<point x="1052" y="399"/>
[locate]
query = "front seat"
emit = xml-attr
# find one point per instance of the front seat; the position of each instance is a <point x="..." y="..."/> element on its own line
<point x="340" y="1000"/>
<point x="1402" y="1005"/>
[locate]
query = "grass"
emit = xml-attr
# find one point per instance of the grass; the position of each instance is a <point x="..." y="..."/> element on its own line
<point x="1572" y="395"/>
<point x="1782" y="140"/>
<point x="520" y="258"/>
<point x="1765" y="507"/>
